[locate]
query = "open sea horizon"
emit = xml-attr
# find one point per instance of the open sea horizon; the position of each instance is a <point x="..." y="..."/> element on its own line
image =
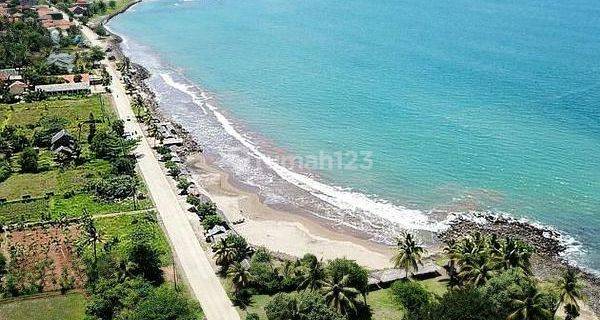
<point x="381" y="115"/>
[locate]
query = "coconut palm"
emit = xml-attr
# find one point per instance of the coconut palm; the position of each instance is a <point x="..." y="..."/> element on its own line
<point x="313" y="274"/>
<point x="478" y="269"/>
<point x="339" y="295"/>
<point x="92" y="236"/>
<point x="239" y="275"/>
<point x="530" y="308"/>
<point x="570" y="289"/>
<point x="408" y="255"/>
<point x="224" y="253"/>
<point x="513" y="253"/>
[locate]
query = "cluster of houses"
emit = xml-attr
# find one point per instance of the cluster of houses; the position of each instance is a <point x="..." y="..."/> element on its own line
<point x="50" y="18"/>
<point x="72" y="84"/>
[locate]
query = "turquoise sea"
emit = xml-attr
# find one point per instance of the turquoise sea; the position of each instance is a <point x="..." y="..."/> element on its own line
<point x="448" y="106"/>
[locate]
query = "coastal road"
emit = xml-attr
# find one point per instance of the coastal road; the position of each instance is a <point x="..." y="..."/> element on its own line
<point x="201" y="277"/>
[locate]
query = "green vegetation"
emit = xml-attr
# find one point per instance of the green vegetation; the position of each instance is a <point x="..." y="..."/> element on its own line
<point x="123" y="259"/>
<point x="63" y="307"/>
<point x="489" y="278"/>
<point x="23" y="43"/>
<point x="125" y="227"/>
<point x="101" y="185"/>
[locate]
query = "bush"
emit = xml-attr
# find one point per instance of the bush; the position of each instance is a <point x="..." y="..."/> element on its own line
<point x="145" y="261"/>
<point x="5" y="170"/>
<point x="252" y="316"/>
<point x="265" y="277"/>
<point x="100" y="30"/>
<point x="183" y="184"/>
<point x="505" y="287"/>
<point x="194" y="201"/>
<point x="210" y="221"/>
<point x="165" y="303"/>
<point x="110" y="146"/>
<point x="29" y="160"/>
<point x="123" y="166"/>
<point x="114" y="188"/>
<point x="173" y="168"/>
<point x="358" y="276"/>
<point x="300" y="305"/>
<point x="207" y="209"/>
<point x="464" y="304"/>
<point x="262" y="255"/>
<point x="12" y="140"/>
<point x="412" y="296"/>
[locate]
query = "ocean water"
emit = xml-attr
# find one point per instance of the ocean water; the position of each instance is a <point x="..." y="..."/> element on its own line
<point x="384" y="115"/>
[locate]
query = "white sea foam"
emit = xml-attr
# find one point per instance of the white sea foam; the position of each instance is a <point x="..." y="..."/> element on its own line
<point x="336" y="196"/>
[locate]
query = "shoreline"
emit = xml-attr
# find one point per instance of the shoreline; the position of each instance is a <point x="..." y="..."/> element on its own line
<point x="221" y="187"/>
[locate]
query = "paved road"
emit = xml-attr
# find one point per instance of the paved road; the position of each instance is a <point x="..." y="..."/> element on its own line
<point x="193" y="260"/>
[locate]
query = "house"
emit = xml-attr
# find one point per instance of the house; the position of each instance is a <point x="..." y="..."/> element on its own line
<point x="82" y="3"/>
<point x="61" y="24"/>
<point x="75" y="78"/>
<point x="66" y="152"/>
<point x="17" y="88"/>
<point x="384" y="278"/>
<point x="95" y="80"/>
<point x="63" y="61"/>
<point x="78" y="10"/>
<point x="26" y="4"/>
<point x="9" y="75"/>
<point x="65" y="88"/>
<point x="62" y="139"/>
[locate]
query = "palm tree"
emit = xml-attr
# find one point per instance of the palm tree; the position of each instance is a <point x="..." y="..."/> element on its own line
<point x="478" y="269"/>
<point x="513" y="253"/>
<point x="224" y="253"/>
<point x="570" y="290"/>
<point x="312" y="275"/>
<point x="530" y="308"/>
<point x="408" y="255"/>
<point x="92" y="235"/>
<point x="240" y="276"/>
<point x="339" y="295"/>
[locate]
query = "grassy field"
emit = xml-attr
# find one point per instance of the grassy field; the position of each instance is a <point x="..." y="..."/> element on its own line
<point x="74" y="110"/>
<point x="56" y="180"/>
<point x="67" y="185"/>
<point x="135" y="225"/>
<point x="64" y="307"/>
<point x="257" y="305"/>
<point x="383" y="306"/>
<point x="17" y="212"/>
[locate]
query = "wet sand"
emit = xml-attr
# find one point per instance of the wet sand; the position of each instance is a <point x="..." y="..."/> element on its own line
<point x="281" y="231"/>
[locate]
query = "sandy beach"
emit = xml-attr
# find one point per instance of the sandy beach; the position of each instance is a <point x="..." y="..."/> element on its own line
<point x="280" y="231"/>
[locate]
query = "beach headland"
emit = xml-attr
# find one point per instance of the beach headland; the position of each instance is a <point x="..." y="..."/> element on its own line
<point x="294" y="233"/>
